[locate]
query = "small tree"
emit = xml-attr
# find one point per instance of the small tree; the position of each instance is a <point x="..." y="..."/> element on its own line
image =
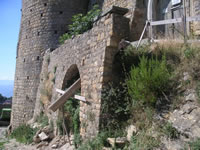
<point x="81" y="23"/>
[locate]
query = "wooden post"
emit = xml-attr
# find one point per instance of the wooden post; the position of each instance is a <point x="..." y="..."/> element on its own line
<point x="184" y="22"/>
<point x="150" y="18"/>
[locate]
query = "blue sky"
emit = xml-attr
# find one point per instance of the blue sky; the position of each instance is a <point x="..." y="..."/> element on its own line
<point x="10" y="15"/>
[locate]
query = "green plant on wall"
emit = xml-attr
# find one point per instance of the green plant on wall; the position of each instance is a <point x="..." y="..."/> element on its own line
<point x="81" y="23"/>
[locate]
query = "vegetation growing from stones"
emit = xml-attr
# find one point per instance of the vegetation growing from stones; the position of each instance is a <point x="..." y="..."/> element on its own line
<point x="72" y="110"/>
<point x="70" y="116"/>
<point x="115" y="106"/>
<point x="195" y="145"/>
<point x="81" y="23"/>
<point x="2" y="145"/>
<point x="42" y="119"/>
<point x="24" y="134"/>
<point x="170" y="131"/>
<point x="143" y="141"/>
<point x="149" y="80"/>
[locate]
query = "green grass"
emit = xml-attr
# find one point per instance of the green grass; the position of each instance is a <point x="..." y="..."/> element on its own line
<point x="24" y="134"/>
<point x="2" y="145"/>
<point x="43" y="120"/>
<point x="195" y="145"/>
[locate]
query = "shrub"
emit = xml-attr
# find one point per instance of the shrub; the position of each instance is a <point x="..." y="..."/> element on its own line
<point x="142" y="141"/>
<point x="2" y="145"/>
<point x="149" y="80"/>
<point x="115" y="106"/>
<point x="170" y="131"/>
<point x="195" y="145"/>
<point x="96" y="143"/>
<point x="42" y="119"/>
<point x="81" y="24"/>
<point x="24" y="134"/>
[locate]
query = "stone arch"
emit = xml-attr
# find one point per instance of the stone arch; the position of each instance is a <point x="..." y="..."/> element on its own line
<point x="71" y="108"/>
<point x="72" y="74"/>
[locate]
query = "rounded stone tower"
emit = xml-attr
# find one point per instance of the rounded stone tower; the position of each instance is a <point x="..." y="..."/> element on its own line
<point x="42" y="22"/>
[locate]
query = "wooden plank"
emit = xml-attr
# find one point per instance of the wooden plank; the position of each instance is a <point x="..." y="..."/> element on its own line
<point x="177" y="20"/>
<point x="168" y="21"/>
<point x="60" y="91"/>
<point x="70" y="91"/>
<point x="81" y="98"/>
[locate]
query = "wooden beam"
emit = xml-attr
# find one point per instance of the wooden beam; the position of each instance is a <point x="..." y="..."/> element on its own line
<point x="168" y="21"/>
<point x="60" y="91"/>
<point x="70" y="91"/>
<point x="177" y="20"/>
<point x="150" y="17"/>
<point x="81" y="98"/>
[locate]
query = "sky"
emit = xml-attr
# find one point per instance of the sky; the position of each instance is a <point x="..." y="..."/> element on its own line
<point x="10" y="15"/>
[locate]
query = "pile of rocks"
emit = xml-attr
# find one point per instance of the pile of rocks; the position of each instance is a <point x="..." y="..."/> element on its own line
<point x="43" y="136"/>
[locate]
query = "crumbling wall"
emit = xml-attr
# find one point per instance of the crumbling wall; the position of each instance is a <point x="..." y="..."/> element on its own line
<point x="93" y="54"/>
<point x="195" y="11"/>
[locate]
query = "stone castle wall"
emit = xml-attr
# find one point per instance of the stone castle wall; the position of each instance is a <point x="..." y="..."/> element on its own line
<point x="42" y="22"/>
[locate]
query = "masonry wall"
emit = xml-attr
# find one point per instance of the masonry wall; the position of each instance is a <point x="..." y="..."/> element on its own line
<point x="195" y="11"/>
<point x="42" y="22"/>
<point x="92" y="53"/>
<point x="137" y="14"/>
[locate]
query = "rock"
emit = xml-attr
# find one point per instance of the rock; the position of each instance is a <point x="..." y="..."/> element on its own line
<point x="51" y="136"/>
<point x="36" y="125"/>
<point x="107" y="148"/>
<point x="47" y="130"/>
<point x="172" y="145"/>
<point x="54" y="146"/>
<point x="120" y="141"/>
<point x="36" y="139"/>
<point x="186" y="120"/>
<point x="190" y="97"/>
<point x="186" y="76"/>
<point x="43" y="136"/>
<point x="42" y="144"/>
<point x="67" y="146"/>
<point x="130" y="130"/>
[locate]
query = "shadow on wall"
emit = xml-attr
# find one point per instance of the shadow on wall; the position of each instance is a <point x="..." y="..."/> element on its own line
<point x="94" y="2"/>
<point x="138" y="19"/>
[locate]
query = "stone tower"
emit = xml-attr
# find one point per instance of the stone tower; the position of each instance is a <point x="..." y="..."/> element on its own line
<point x="42" y="22"/>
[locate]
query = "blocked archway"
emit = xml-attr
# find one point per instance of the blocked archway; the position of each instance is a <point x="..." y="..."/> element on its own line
<point x="69" y="113"/>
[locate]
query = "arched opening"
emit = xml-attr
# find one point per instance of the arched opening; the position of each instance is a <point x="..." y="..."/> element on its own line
<point x="70" y="122"/>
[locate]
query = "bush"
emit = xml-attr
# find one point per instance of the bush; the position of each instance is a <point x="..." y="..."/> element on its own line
<point x="96" y="143"/>
<point x="170" y="131"/>
<point x="81" y="24"/>
<point x="195" y="145"/>
<point x="149" y="80"/>
<point x="115" y="106"/>
<point x="24" y="134"/>
<point x="142" y="141"/>
<point x="42" y="119"/>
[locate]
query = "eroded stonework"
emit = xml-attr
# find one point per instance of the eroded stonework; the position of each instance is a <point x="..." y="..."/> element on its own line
<point x="93" y="54"/>
<point x="43" y="21"/>
<point x="39" y="53"/>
